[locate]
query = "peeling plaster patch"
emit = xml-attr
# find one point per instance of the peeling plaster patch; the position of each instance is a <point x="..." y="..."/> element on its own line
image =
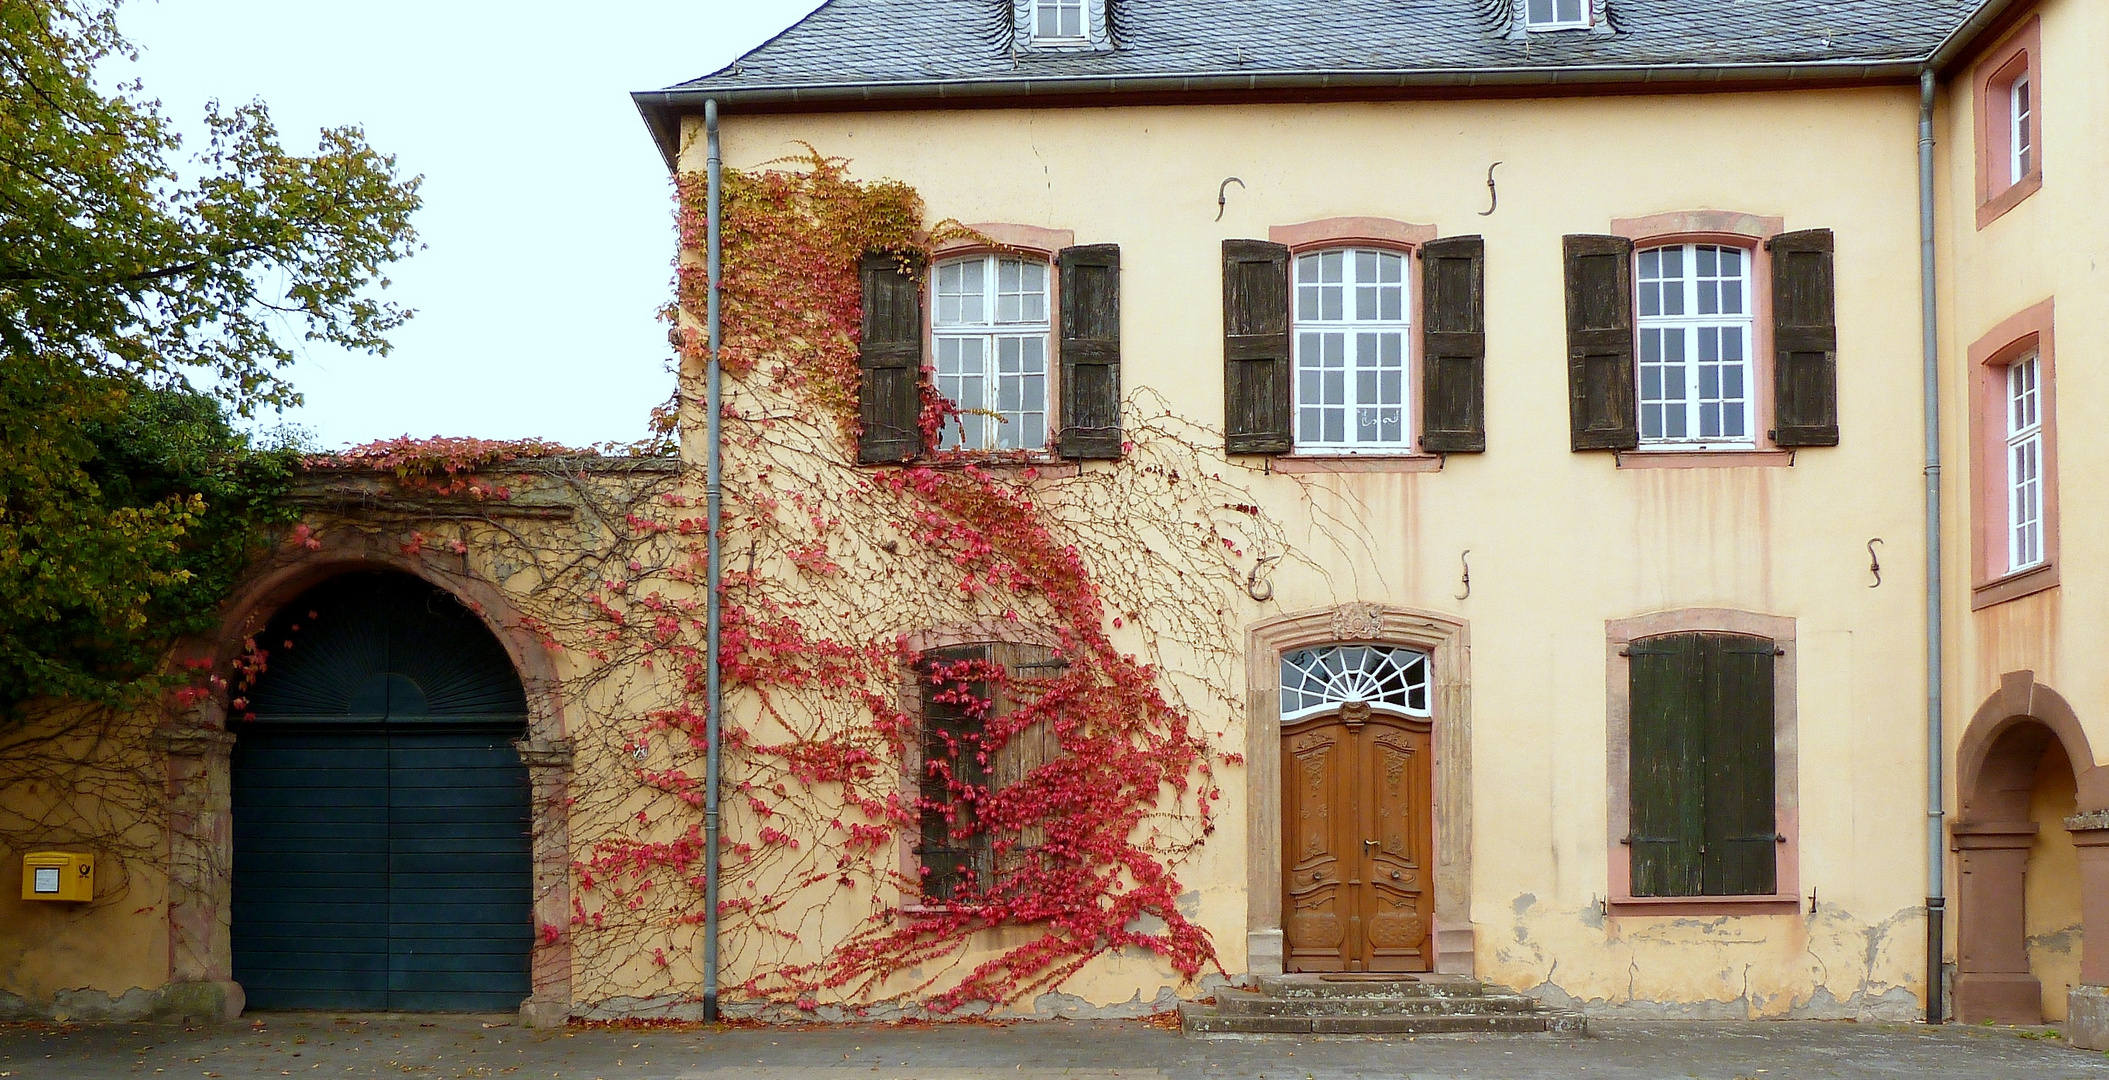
<point x="1189" y="903"/>
<point x="2062" y="940"/>
<point x="1827" y="965"/>
<point x="1523" y="903"/>
<point x="1046" y="1006"/>
<point x="1071" y="1007"/>
<point x="137" y="1003"/>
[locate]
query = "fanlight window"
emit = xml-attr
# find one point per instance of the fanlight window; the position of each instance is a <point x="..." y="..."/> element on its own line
<point x="1379" y="676"/>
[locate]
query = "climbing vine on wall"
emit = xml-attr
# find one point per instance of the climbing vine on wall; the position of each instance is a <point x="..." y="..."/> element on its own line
<point x="837" y="579"/>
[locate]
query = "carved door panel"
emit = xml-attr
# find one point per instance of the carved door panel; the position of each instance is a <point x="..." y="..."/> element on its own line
<point x="1317" y="830"/>
<point x="1357" y="843"/>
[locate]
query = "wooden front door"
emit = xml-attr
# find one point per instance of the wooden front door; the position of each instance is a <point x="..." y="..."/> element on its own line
<point x="1357" y="843"/>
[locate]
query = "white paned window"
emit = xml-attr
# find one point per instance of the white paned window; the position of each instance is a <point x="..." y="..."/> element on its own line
<point x="1058" y="20"/>
<point x="990" y="334"/>
<point x="1384" y="678"/>
<point x="1555" y="14"/>
<point x="2024" y="464"/>
<point x="2020" y="117"/>
<point x="1352" y="319"/>
<point x="1695" y="343"/>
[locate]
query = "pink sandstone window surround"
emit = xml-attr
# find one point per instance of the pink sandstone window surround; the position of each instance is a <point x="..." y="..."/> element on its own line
<point x="1690" y="233"/>
<point x="2009" y="558"/>
<point x="1619" y="634"/>
<point x="2007" y="107"/>
<point x="1382" y="239"/>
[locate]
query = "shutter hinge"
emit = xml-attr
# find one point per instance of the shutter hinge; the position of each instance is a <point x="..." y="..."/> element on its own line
<point x="1777" y="651"/>
<point x="1626" y="651"/>
<point x="1626" y="839"/>
<point x="1779" y="838"/>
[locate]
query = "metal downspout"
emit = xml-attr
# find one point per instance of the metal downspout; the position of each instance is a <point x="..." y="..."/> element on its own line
<point x="1936" y="743"/>
<point x="713" y="497"/>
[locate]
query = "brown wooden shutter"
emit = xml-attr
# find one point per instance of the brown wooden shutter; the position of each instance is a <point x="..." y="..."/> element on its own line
<point x="1453" y="345"/>
<point x="1090" y="336"/>
<point x="1667" y="763"/>
<point x="1804" y="339"/>
<point x="1741" y="856"/>
<point x="952" y="848"/>
<point x="1602" y="412"/>
<point x="1256" y="403"/>
<point x="1027" y="749"/>
<point x="890" y="356"/>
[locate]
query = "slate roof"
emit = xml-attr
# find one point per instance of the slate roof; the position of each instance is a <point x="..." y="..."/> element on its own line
<point x="868" y="50"/>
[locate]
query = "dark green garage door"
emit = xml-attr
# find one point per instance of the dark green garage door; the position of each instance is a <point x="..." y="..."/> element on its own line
<point x="381" y="825"/>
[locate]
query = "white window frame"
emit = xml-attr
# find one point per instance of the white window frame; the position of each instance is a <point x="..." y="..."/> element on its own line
<point x="2024" y="463"/>
<point x="2021" y="123"/>
<point x="989" y="334"/>
<point x="1533" y="22"/>
<point x="1082" y="8"/>
<point x="1309" y="329"/>
<point x="1691" y="327"/>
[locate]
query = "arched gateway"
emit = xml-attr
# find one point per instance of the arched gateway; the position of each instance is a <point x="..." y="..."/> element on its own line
<point x="381" y="814"/>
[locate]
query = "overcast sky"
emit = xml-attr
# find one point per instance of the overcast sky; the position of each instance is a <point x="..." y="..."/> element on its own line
<point x="549" y="238"/>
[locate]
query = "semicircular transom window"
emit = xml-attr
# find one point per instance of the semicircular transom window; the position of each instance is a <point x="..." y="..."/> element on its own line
<point x="1380" y="676"/>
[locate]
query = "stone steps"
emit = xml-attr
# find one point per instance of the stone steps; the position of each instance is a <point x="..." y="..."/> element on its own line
<point x="1364" y="1005"/>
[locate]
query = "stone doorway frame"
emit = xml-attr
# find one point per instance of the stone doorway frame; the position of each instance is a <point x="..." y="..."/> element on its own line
<point x="199" y="748"/>
<point x="1447" y="642"/>
<point x="1991" y="836"/>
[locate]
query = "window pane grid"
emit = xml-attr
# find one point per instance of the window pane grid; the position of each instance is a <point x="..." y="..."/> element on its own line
<point x="1058" y="18"/>
<point x="1695" y="341"/>
<point x="1314" y="680"/>
<point x="2024" y="464"/>
<point x="1555" y="14"/>
<point x="2021" y="129"/>
<point x="990" y="333"/>
<point x="1352" y="315"/>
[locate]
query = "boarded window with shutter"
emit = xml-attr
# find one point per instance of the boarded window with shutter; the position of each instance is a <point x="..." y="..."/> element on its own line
<point x="1090" y="336"/>
<point x="890" y="358"/>
<point x="1453" y="345"/>
<point x="1804" y="339"/>
<point x="959" y="857"/>
<point x="1256" y="401"/>
<point x="1602" y="414"/>
<point x="1703" y="766"/>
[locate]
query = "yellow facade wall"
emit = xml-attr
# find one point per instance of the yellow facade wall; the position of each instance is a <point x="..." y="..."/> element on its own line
<point x="81" y="779"/>
<point x="2054" y="245"/>
<point x="1560" y="542"/>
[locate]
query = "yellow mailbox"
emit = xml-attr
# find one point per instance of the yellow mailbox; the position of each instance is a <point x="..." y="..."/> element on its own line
<point x="58" y="875"/>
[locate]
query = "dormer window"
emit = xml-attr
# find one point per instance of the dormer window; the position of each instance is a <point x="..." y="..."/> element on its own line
<point x="1556" y="14"/>
<point x="1060" y="26"/>
<point x="1058" y="20"/>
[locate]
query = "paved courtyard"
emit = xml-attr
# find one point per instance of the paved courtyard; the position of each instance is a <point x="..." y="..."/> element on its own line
<point x="449" y="1047"/>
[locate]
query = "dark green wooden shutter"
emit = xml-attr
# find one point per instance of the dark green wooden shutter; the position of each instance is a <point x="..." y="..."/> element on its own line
<point x="890" y="356"/>
<point x="953" y="850"/>
<point x="1668" y="768"/>
<point x="1256" y="404"/>
<point x="1090" y="336"/>
<point x="1453" y="345"/>
<point x="1804" y="339"/>
<point x="1742" y="857"/>
<point x="1602" y="412"/>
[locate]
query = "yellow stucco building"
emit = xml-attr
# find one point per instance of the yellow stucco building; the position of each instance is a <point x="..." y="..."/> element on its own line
<point x="1564" y="370"/>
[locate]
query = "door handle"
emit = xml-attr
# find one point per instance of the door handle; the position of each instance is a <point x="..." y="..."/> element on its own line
<point x="1366" y="845"/>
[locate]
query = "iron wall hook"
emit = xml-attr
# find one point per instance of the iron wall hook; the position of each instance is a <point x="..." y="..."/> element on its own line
<point x="1223" y="194"/>
<point x="1493" y="194"/>
<point x="1466" y="559"/>
<point x="1874" y="563"/>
